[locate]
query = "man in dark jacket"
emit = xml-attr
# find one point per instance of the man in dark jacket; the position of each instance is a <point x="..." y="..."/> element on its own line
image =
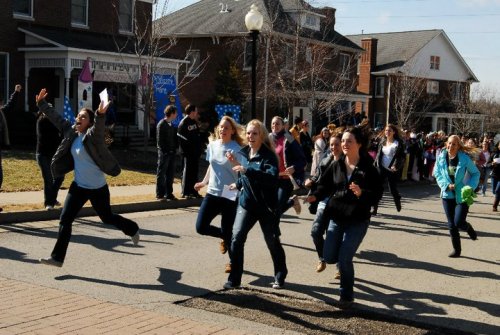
<point x="4" y="132"/>
<point x="190" y="141"/>
<point x="166" y="142"/>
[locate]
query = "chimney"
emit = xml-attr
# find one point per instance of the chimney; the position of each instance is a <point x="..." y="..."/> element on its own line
<point x="367" y="63"/>
<point x="328" y="23"/>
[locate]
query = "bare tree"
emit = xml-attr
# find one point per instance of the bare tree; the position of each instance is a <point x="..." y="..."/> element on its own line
<point x="486" y="101"/>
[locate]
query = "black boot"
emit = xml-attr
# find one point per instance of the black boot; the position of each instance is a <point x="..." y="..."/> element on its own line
<point x="471" y="232"/>
<point x="375" y="209"/>
<point x="457" y="248"/>
<point x="397" y="201"/>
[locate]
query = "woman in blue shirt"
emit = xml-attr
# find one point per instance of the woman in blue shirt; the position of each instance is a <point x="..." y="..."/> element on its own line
<point x="226" y="138"/>
<point x="454" y="169"/>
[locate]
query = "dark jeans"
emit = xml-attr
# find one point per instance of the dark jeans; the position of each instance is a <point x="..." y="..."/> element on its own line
<point x="244" y="221"/>
<point x="456" y="214"/>
<point x="165" y="174"/>
<point x="318" y="229"/>
<point x="190" y="174"/>
<point x="99" y="198"/>
<point x="1" y="169"/>
<point x="285" y="190"/>
<point x="51" y="185"/>
<point x="496" y="187"/>
<point x="392" y="179"/>
<point x="342" y="242"/>
<point x="212" y="206"/>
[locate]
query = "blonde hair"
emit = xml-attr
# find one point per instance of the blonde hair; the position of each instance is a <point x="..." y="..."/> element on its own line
<point x="264" y="134"/>
<point x="239" y="131"/>
<point x="462" y="147"/>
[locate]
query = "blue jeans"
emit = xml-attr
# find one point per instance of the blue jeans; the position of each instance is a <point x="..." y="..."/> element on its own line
<point x="99" y="198"/>
<point x="165" y="174"/>
<point x="496" y="187"/>
<point x="212" y="206"/>
<point x="484" y="185"/>
<point x="456" y="214"/>
<point x="319" y="226"/>
<point x="244" y="222"/>
<point x="341" y="243"/>
<point x="51" y="185"/>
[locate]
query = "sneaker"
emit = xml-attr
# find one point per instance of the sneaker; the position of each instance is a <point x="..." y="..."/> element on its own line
<point x="337" y="275"/>
<point x="321" y="266"/>
<point x="135" y="238"/>
<point x="228" y="268"/>
<point x="454" y="254"/>
<point x="277" y="285"/>
<point x="229" y="285"/>
<point x="49" y="207"/>
<point x="161" y="198"/>
<point x="58" y="204"/>
<point x="345" y="304"/>
<point x="296" y="204"/>
<point x="222" y="247"/>
<point x="50" y="261"/>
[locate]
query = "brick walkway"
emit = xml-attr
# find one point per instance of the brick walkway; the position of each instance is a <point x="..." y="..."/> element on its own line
<point x="32" y="309"/>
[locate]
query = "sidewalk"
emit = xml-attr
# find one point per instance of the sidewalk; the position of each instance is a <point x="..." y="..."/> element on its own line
<point x="33" y="309"/>
<point x="36" y="197"/>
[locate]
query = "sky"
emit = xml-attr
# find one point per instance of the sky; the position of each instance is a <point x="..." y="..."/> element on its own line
<point x="473" y="26"/>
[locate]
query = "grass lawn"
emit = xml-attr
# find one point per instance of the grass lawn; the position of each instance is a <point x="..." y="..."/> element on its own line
<point x="21" y="173"/>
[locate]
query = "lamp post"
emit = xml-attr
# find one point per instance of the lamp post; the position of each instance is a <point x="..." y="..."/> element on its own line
<point x="253" y="22"/>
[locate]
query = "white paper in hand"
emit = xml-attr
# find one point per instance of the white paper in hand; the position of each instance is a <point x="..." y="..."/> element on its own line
<point x="229" y="194"/>
<point x="104" y="96"/>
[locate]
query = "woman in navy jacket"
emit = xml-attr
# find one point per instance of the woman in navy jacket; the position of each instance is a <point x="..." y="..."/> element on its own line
<point x="258" y="201"/>
<point x="454" y="169"/>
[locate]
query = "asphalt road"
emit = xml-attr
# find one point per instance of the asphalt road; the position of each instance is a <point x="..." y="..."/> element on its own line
<point x="402" y="266"/>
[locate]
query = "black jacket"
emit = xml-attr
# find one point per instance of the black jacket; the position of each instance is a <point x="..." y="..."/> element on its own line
<point x="189" y="137"/>
<point x="399" y="158"/>
<point x="8" y="107"/>
<point x="343" y="206"/>
<point x="166" y="137"/>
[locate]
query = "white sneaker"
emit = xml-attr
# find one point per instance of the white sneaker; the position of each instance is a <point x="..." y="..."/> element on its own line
<point x="49" y="207"/>
<point x="135" y="238"/>
<point x="296" y="204"/>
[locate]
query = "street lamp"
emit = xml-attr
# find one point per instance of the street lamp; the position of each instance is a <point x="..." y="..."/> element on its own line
<point x="254" y="21"/>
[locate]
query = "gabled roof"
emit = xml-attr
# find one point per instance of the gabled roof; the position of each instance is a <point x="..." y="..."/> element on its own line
<point x="206" y="18"/>
<point x="394" y="49"/>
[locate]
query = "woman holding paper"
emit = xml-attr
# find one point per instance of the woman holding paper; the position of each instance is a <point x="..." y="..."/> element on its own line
<point x="453" y="171"/>
<point x="83" y="150"/>
<point x="258" y="201"/>
<point x="219" y="199"/>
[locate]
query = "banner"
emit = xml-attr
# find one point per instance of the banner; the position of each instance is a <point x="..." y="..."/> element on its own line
<point x="233" y="111"/>
<point x="165" y="93"/>
<point x="85" y="86"/>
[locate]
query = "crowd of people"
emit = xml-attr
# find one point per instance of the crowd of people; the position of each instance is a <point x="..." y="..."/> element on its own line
<point x="255" y="176"/>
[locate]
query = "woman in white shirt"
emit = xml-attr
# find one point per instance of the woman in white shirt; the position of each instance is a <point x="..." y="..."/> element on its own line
<point x="389" y="161"/>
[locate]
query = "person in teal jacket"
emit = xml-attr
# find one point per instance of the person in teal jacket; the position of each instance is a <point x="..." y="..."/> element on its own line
<point x="453" y="171"/>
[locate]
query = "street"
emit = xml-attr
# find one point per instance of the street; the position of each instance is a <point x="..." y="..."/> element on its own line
<point x="401" y="268"/>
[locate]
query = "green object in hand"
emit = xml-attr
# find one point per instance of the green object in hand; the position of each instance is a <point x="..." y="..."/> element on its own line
<point x="468" y="195"/>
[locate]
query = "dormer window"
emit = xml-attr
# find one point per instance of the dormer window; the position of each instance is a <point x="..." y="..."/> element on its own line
<point x="435" y="62"/>
<point x="79" y="12"/>
<point x="23" y="8"/>
<point x="310" y="21"/>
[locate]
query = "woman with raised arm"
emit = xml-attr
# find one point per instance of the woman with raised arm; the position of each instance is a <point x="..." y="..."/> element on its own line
<point x="258" y="201"/>
<point x="228" y="137"/>
<point x="83" y="150"/>
<point x="453" y="171"/>
<point x="353" y="185"/>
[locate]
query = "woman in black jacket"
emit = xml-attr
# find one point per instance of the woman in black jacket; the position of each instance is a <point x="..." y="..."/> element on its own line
<point x="353" y="186"/>
<point x="495" y="176"/>
<point x="389" y="162"/>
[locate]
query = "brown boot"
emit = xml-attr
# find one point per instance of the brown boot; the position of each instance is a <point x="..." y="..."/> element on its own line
<point x="495" y="205"/>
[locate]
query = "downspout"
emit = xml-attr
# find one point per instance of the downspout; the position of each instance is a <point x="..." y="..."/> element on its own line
<point x="388" y="101"/>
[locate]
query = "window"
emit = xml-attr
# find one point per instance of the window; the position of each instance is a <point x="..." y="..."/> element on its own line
<point x="289" y="57"/>
<point x="4" y="63"/>
<point x="435" y="62"/>
<point x="79" y="12"/>
<point x="456" y="92"/>
<point x="193" y="68"/>
<point x="433" y="87"/>
<point x="310" y="21"/>
<point x="23" y="7"/>
<point x="309" y="56"/>
<point x="379" y="86"/>
<point x="345" y="65"/>
<point x="247" y="56"/>
<point x="126" y="9"/>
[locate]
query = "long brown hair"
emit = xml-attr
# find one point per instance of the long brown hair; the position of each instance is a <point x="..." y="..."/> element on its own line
<point x="239" y="131"/>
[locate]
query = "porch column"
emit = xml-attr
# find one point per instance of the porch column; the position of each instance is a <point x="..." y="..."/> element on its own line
<point x="434" y="123"/>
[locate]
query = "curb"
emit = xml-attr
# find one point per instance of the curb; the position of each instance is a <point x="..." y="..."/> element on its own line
<point x="45" y="215"/>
